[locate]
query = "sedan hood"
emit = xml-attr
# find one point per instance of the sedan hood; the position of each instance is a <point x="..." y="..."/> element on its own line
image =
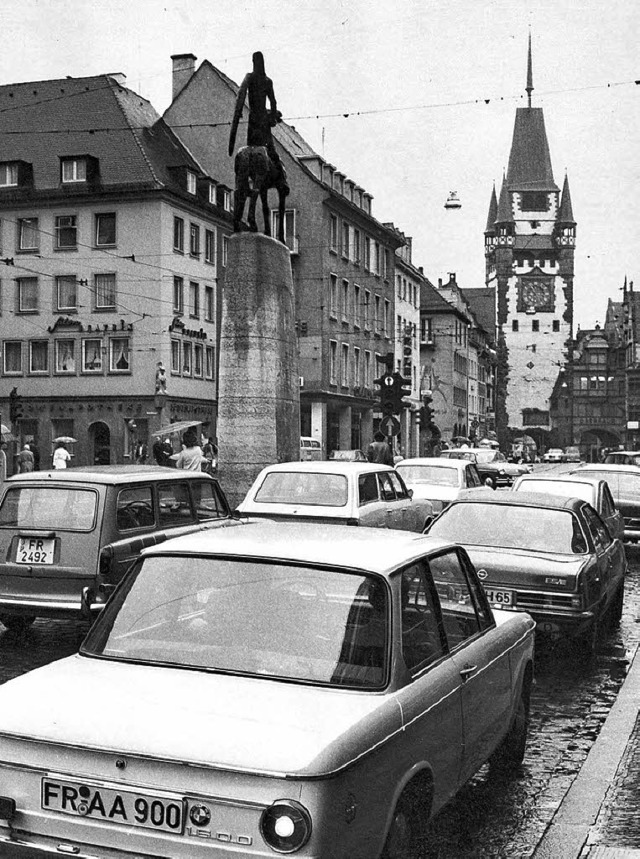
<point x="228" y="722"/>
<point x="523" y="568"/>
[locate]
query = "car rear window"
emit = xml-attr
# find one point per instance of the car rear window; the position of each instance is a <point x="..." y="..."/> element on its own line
<point x="61" y="508"/>
<point x="303" y="488"/>
<point x="432" y="475"/>
<point x="252" y="617"/>
<point x="565" y="488"/>
<point x="510" y="526"/>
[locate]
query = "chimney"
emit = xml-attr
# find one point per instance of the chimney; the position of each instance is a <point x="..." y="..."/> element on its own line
<point x="184" y="66"/>
<point x="439" y="283"/>
<point x="452" y="278"/>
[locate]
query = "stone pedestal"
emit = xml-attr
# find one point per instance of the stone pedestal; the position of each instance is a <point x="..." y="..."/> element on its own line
<point x="259" y="383"/>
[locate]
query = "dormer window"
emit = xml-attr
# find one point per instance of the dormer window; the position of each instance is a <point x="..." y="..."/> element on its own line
<point x="8" y="175"/>
<point x="212" y="193"/>
<point x="226" y="200"/>
<point x="74" y="170"/>
<point x="191" y="182"/>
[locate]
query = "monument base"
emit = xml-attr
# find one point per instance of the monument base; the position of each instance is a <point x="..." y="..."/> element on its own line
<point x="259" y="383"/>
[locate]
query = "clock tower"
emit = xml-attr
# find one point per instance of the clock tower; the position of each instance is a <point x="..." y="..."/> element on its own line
<point x="529" y="249"/>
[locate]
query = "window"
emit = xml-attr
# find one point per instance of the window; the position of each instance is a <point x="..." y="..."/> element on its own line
<point x="367" y="369"/>
<point x="376" y="258"/>
<point x="194" y="300"/>
<point x="197" y="360"/>
<point x="367" y="253"/>
<point x="175" y="356"/>
<point x="8" y="175"/>
<point x="213" y="194"/>
<point x="178" y="295"/>
<point x="226" y="199"/>
<point x="105" y="291"/>
<point x="92" y="355"/>
<point x="367" y="308"/>
<point x="515" y="325"/>
<point x="377" y="317"/>
<point x="194" y="240"/>
<point x="356" y="366"/>
<point x="356" y="246"/>
<point x="74" y="170"/>
<point x="290" y="238"/>
<point x="333" y="359"/>
<point x="210" y="247"/>
<point x="210" y="362"/>
<point x="385" y="320"/>
<point x="105" y="229"/>
<point x="28" y="234"/>
<point x="535" y="325"/>
<point x="209" y="304"/>
<point x="356" y="305"/>
<point x="333" y="296"/>
<point x="119" y="358"/>
<point x="66" y="293"/>
<point x="174" y="504"/>
<point x="225" y="250"/>
<point x="12" y="356"/>
<point x="65" y="356"/>
<point x="191" y="182"/>
<point x="345" y="300"/>
<point x="66" y="232"/>
<point x="186" y="358"/>
<point x="178" y="235"/>
<point x="534" y="201"/>
<point x="27" y="294"/>
<point x="457" y="601"/>
<point x="333" y="233"/>
<point x="426" y="330"/>
<point x="421" y="632"/>
<point x="39" y="356"/>
<point x="556" y="325"/>
<point x="345" y="240"/>
<point x="344" y="370"/>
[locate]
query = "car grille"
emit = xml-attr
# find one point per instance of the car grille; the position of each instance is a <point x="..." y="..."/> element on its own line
<point x="532" y="600"/>
<point x="631" y="523"/>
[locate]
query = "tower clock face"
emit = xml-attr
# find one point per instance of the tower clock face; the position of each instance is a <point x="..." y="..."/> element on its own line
<point x="536" y="293"/>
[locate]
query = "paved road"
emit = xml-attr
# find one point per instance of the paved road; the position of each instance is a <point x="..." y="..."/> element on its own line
<point x="488" y="819"/>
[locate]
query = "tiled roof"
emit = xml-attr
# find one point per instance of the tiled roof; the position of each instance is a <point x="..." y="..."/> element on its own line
<point x="97" y="116"/>
<point x="483" y="306"/>
<point x="529" y="160"/>
<point x="493" y="212"/>
<point x="565" y="215"/>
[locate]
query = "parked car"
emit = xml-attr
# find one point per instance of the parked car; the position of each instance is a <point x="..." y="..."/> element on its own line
<point x="352" y="493"/>
<point x="274" y="688"/>
<point x="493" y="468"/>
<point x="438" y="479"/>
<point x="624" y="483"/>
<point x="571" y="454"/>
<point x="554" y="454"/>
<point x="348" y="456"/>
<point x="550" y="556"/>
<point x="623" y="457"/>
<point x="310" y="449"/>
<point x="579" y="485"/>
<point x="62" y="531"/>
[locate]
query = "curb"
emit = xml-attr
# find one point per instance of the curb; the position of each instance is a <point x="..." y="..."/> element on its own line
<point x="567" y="834"/>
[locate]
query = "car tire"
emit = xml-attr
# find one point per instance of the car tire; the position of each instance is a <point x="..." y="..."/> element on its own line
<point x="17" y="622"/>
<point x="614" y="613"/>
<point x="408" y="826"/>
<point x="588" y="641"/>
<point x="509" y="755"/>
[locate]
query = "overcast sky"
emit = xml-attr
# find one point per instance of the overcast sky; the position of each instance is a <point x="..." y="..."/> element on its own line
<point x="429" y="89"/>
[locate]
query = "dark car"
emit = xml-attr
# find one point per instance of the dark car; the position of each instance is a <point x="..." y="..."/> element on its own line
<point x="65" y="531"/>
<point x="550" y="556"/>
<point x="624" y="483"/>
<point x="493" y="468"/>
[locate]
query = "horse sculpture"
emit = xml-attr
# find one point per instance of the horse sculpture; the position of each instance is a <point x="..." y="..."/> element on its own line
<point x="256" y="174"/>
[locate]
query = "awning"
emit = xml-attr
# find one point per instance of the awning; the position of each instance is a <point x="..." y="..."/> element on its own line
<point x="178" y="427"/>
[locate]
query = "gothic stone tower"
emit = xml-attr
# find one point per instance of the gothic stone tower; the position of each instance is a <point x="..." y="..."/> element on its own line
<point x="529" y="249"/>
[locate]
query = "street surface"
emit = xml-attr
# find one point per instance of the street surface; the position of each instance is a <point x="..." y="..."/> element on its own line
<point x="489" y="817"/>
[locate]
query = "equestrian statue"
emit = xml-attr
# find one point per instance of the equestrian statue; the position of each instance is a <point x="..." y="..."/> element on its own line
<point x="258" y="166"/>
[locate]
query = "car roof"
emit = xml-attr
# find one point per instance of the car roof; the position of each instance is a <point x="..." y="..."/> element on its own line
<point x="107" y="474"/>
<point x="440" y="461"/>
<point x="331" y="466"/>
<point x="564" y="477"/>
<point x="521" y="499"/>
<point x="378" y="550"/>
<point x="613" y="467"/>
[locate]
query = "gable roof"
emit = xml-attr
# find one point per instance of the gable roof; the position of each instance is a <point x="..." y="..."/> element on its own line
<point x="482" y="302"/>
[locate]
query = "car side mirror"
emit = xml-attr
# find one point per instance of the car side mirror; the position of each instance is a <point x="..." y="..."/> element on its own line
<point x="410" y="493"/>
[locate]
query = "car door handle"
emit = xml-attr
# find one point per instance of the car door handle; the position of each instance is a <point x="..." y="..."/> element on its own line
<point x="467" y="671"/>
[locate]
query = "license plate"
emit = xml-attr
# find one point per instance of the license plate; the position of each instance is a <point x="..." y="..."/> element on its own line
<point x="158" y="812"/>
<point x="499" y="598"/>
<point x="35" y="550"/>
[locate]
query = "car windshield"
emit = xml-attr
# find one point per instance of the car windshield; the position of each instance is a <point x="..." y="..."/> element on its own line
<point x="303" y="488"/>
<point x="489" y="456"/>
<point x="431" y="475"/>
<point x="510" y="526"/>
<point x="63" y="508"/>
<point x="566" y="488"/>
<point x="249" y="617"/>
<point x="622" y="458"/>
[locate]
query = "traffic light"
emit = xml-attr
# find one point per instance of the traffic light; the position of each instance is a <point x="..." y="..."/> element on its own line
<point x="427" y="410"/>
<point x="15" y="405"/>
<point x="386" y="394"/>
<point x="407" y="350"/>
<point x="401" y="389"/>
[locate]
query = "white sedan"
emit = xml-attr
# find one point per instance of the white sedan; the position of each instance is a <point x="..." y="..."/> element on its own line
<point x="268" y="688"/>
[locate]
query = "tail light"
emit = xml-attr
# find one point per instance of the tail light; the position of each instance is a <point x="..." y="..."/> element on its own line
<point x="286" y="826"/>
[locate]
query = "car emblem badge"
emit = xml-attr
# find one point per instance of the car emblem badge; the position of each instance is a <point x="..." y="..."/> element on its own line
<point x="482" y="574"/>
<point x="200" y="815"/>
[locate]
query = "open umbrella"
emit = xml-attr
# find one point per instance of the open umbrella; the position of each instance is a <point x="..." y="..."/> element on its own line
<point x="64" y="439"/>
<point x="6" y="434"/>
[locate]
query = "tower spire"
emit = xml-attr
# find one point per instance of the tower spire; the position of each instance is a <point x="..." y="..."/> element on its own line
<point x="529" y="86"/>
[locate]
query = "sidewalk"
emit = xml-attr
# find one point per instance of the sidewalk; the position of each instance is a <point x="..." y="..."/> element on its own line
<point x="599" y="818"/>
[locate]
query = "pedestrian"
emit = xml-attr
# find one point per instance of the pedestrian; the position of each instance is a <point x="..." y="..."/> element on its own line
<point x="191" y="456"/>
<point x="61" y="456"/>
<point x="36" y="455"/>
<point x="379" y="451"/>
<point x="25" y="460"/>
<point x="141" y="453"/>
<point x="3" y="462"/>
<point x="210" y="452"/>
<point x="162" y="451"/>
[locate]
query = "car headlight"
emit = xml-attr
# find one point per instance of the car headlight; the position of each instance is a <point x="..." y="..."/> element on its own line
<point x="285" y="825"/>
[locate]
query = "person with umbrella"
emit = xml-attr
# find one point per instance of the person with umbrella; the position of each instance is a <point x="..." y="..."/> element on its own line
<point x="61" y="455"/>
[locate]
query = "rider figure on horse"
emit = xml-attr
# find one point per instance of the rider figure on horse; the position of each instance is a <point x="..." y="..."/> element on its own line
<point x="259" y="88"/>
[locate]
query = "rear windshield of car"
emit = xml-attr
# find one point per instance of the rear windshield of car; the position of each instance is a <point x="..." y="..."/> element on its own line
<point x="431" y="475"/>
<point x="511" y="527"/>
<point x="623" y="486"/>
<point x="59" y="508"/>
<point x="584" y="491"/>
<point x="622" y="459"/>
<point x="249" y="617"/>
<point x="490" y="456"/>
<point x="313" y="489"/>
